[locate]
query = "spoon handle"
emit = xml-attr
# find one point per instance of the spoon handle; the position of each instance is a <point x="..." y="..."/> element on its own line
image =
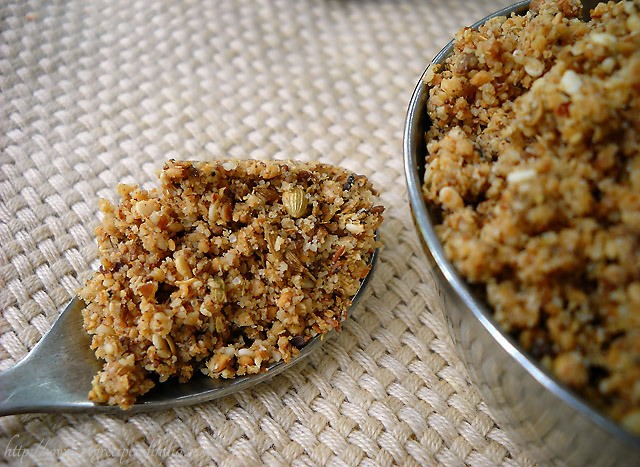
<point x="56" y="375"/>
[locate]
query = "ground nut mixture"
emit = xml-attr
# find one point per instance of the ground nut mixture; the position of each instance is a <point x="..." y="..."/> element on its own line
<point x="534" y="159"/>
<point x="228" y="267"/>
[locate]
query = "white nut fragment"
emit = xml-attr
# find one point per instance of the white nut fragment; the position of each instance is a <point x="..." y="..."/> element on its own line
<point x="571" y="83"/>
<point x="603" y="38"/>
<point x="108" y="348"/>
<point x="155" y="217"/>
<point x="629" y="8"/>
<point x="355" y="229"/>
<point x="608" y="64"/>
<point x="162" y="350"/>
<point x="534" y="67"/>
<point x="146" y="207"/>
<point x="633" y="23"/>
<point x="429" y="74"/>
<point x="519" y="176"/>
<point x="183" y="266"/>
<point x="450" y="198"/>
<point x="245" y="353"/>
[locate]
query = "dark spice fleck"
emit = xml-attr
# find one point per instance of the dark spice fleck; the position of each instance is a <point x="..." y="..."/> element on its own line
<point x="299" y="341"/>
<point x="164" y="292"/>
<point x="349" y="183"/>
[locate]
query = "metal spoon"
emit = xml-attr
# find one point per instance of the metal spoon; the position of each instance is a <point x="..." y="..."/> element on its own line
<point x="56" y="375"/>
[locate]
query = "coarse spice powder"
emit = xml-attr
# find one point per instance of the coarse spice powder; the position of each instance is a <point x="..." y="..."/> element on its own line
<point x="228" y="267"/>
<point x="534" y="160"/>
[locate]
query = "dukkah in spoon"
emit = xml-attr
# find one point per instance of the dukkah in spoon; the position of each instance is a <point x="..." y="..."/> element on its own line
<point x="234" y="269"/>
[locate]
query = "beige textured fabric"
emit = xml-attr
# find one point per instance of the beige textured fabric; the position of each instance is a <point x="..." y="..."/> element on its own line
<point x="98" y="92"/>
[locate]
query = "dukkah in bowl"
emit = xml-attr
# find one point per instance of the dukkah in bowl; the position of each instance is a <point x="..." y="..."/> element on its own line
<point x="522" y="151"/>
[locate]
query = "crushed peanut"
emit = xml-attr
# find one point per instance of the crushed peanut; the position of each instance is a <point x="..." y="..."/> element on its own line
<point x="227" y="268"/>
<point x="534" y="160"/>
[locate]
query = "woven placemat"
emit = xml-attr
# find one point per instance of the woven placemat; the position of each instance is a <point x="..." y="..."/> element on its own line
<point x="99" y="92"/>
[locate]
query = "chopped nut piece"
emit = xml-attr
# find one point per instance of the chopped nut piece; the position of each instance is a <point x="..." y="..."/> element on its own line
<point x="218" y="290"/>
<point x="534" y="67"/>
<point x="571" y="82"/>
<point x="603" y="38"/>
<point x="518" y="176"/>
<point x="355" y="229"/>
<point x="183" y="266"/>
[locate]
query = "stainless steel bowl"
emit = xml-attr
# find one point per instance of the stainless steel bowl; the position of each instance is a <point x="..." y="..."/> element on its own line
<point x="551" y="423"/>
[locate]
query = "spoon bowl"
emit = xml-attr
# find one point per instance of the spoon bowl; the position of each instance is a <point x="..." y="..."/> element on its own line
<point x="56" y="375"/>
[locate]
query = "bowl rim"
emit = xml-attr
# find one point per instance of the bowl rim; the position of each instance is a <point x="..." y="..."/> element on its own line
<point x="425" y="230"/>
